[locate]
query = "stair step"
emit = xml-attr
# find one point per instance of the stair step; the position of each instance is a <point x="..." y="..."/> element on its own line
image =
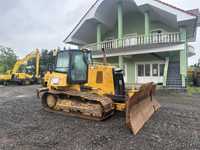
<point x="173" y="77"/>
<point x="174" y="86"/>
<point x="174" y="81"/>
<point x="175" y="89"/>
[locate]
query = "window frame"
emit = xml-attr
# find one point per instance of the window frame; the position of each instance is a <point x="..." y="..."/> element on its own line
<point x="163" y="69"/>
<point x="151" y="68"/>
<point x="138" y="70"/>
<point x="157" y="75"/>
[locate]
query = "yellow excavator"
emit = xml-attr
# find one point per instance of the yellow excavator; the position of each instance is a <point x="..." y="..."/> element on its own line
<point x="78" y="87"/>
<point x="24" y="72"/>
<point x="5" y="77"/>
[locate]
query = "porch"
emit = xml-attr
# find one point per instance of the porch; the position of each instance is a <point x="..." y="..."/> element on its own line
<point x="163" y="68"/>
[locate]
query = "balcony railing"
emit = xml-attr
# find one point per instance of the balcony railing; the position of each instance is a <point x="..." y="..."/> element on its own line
<point x="154" y="38"/>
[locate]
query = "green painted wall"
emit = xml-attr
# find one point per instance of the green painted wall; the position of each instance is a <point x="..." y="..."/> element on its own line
<point x="133" y="22"/>
<point x="130" y="71"/>
<point x="173" y="55"/>
<point x="158" y="25"/>
<point x="110" y="60"/>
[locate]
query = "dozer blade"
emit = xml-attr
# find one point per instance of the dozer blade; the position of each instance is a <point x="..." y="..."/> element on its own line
<point x="140" y="107"/>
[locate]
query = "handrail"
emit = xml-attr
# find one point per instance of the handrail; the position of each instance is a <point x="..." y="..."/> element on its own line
<point x="165" y="71"/>
<point x="153" y="38"/>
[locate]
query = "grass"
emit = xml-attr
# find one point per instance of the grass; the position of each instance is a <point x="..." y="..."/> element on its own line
<point x="193" y="90"/>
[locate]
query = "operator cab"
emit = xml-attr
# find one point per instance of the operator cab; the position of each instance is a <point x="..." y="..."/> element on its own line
<point x="75" y="64"/>
<point x="119" y="85"/>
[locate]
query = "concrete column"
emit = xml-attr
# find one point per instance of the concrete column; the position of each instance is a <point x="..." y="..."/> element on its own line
<point x="120" y="23"/>
<point x="98" y="36"/>
<point x="183" y="57"/>
<point x="146" y="23"/>
<point x="121" y="62"/>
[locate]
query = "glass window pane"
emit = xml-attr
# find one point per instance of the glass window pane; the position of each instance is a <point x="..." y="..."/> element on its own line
<point x="140" y="70"/>
<point x="155" y="69"/>
<point x="78" y="68"/>
<point x="62" y="62"/>
<point x="147" y="70"/>
<point x="162" y="66"/>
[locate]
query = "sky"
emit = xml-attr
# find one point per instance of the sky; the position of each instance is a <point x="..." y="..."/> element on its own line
<point x="44" y="24"/>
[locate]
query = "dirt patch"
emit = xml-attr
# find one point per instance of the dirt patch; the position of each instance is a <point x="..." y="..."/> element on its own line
<point x="25" y="125"/>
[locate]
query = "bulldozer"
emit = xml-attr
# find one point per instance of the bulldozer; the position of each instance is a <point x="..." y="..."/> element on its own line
<point x="81" y="88"/>
<point x="23" y="72"/>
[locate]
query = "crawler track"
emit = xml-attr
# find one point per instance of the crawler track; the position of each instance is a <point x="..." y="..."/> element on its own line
<point x="103" y="104"/>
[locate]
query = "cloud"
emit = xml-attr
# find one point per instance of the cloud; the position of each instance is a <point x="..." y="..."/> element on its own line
<point x="28" y="24"/>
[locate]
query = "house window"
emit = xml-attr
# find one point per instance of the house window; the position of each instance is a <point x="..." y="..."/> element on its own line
<point x="140" y="70"/>
<point x="147" y="70"/>
<point x="150" y="70"/>
<point x="162" y="66"/>
<point x="155" y="69"/>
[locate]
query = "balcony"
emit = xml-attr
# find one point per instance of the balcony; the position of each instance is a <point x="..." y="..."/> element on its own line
<point x="130" y="41"/>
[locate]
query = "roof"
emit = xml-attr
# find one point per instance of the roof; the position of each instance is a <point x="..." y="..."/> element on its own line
<point x="197" y="13"/>
<point x="194" y="13"/>
<point x="82" y="19"/>
<point x="172" y="6"/>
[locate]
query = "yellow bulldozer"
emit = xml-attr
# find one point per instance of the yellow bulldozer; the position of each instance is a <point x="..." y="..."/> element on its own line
<point x="78" y="87"/>
<point x="23" y="72"/>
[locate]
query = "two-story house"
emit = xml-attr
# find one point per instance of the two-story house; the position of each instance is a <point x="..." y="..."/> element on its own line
<point x="147" y="38"/>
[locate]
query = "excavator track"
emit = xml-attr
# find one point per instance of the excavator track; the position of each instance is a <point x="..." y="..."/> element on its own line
<point x="76" y="103"/>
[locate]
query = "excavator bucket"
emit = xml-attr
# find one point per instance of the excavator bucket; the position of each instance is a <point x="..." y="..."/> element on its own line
<point x="140" y="107"/>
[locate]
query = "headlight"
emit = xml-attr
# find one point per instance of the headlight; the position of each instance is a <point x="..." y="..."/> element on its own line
<point x="55" y="80"/>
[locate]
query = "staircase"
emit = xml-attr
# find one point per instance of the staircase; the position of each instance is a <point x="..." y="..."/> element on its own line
<point x="173" y="76"/>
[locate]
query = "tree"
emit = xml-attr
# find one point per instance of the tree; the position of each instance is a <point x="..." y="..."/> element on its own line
<point x="7" y="58"/>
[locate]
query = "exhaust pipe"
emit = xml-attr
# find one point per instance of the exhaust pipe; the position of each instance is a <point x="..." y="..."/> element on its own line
<point x="104" y="56"/>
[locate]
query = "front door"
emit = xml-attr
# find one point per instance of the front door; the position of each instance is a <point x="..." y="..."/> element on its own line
<point x="149" y="72"/>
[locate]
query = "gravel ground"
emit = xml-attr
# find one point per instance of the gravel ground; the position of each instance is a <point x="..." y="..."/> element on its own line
<point x="25" y="125"/>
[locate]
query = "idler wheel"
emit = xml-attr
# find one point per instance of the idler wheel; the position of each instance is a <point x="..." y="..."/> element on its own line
<point x="51" y="101"/>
